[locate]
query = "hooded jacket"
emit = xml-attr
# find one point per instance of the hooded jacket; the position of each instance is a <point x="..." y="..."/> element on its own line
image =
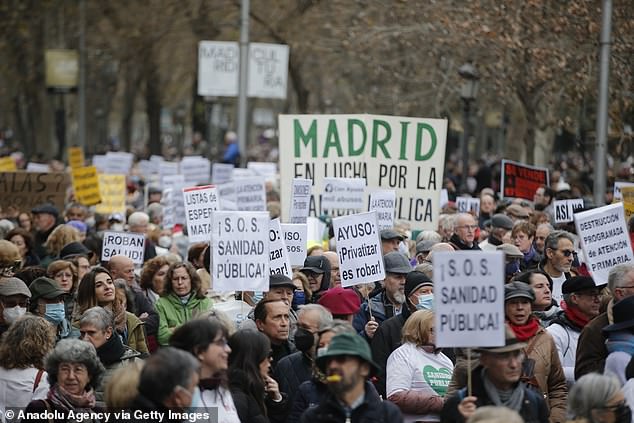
<point x="173" y="313"/>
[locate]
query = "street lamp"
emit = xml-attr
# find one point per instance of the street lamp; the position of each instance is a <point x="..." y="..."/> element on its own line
<point x="468" y="93"/>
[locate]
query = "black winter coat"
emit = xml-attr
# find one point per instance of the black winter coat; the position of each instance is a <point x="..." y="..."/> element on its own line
<point x="370" y="411"/>
<point x="534" y="408"/>
<point x="291" y="372"/>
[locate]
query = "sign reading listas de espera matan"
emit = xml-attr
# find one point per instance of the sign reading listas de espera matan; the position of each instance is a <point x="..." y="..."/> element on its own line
<point x="398" y="153"/>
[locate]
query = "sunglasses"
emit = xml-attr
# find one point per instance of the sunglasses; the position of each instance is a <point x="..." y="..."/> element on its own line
<point x="567" y="253"/>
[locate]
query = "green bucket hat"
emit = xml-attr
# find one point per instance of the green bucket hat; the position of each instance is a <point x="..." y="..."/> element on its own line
<point x="348" y="344"/>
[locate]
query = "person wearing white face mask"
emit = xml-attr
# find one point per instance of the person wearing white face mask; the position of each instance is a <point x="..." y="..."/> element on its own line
<point x="14" y="301"/>
<point x="419" y="291"/>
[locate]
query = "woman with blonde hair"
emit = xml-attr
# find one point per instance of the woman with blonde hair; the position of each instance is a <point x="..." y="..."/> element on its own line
<point x="418" y="374"/>
<point x="61" y="235"/>
<point x="22" y="352"/>
<point x="122" y="388"/>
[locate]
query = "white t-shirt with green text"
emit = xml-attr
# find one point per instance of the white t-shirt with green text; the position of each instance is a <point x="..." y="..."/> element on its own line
<point x="411" y="368"/>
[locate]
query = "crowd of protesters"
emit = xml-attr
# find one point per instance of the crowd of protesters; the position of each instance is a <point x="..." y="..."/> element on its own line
<point x="79" y="334"/>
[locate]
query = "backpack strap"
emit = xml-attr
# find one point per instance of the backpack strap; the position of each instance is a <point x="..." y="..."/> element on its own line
<point x="38" y="378"/>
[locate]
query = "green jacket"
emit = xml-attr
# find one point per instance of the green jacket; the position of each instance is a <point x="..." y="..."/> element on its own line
<point x="172" y="313"/>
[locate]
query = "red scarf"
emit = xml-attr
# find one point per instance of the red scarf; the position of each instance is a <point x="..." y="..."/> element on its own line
<point x="574" y="315"/>
<point x="525" y="332"/>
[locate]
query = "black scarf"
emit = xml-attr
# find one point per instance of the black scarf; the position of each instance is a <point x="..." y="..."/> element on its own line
<point x="461" y="245"/>
<point x="111" y="351"/>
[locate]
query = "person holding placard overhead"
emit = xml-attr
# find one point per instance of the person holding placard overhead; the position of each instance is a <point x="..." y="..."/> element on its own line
<point x="497" y="381"/>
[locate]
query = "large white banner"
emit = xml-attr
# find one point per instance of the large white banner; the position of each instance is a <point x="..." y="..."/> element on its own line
<point x="240" y="245"/>
<point x="359" y="249"/>
<point x="200" y="202"/>
<point x="469" y="298"/>
<point x="400" y="153"/>
<point x="604" y="239"/>
<point x="278" y="255"/>
<point x="127" y="244"/>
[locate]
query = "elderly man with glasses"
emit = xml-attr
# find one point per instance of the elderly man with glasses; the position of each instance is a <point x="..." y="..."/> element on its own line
<point x="464" y="237"/>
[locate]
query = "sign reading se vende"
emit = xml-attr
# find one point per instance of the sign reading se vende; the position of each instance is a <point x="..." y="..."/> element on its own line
<point x="521" y="181"/>
<point x="400" y="153"/>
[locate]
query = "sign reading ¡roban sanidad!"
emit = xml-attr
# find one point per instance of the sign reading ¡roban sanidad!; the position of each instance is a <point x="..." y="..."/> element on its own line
<point x="400" y="153"/>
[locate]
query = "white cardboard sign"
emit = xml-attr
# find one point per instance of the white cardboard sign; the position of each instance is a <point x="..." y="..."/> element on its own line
<point x="604" y="239"/>
<point x="343" y="193"/>
<point x="295" y="238"/>
<point x="383" y="202"/>
<point x="127" y="244"/>
<point x="221" y="173"/>
<point x="200" y="202"/>
<point x="196" y="170"/>
<point x="617" y="196"/>
<point x="469" y="298"/>
<point x="240" y="245"/>
<point x="268" y="70"/>
<point x="359" y="249"/>
<point x="250" y="194"/>
<point x="227" y="196"/>
<point x="169" y="219"/>
<point x="176" y="183"/>
<point x="278" y="255"/>
<point x="218" y="68"/>
<point x="118" y="162"/>
<point x="300" y="200"/>
<point x="266" y="169"/>
<point x="468" y="204"/>
<point x="565" y="209"/>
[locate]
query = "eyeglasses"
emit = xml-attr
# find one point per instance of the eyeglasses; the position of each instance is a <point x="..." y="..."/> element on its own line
<point x="222" y="342"/>
<point x="567" y="253"/>
<point x="468" y="227"/>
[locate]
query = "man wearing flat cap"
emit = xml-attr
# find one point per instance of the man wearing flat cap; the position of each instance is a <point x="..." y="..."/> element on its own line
<point x="347" y="364"/>
<point x="419" y="295"/>
<point x="390" y="240"/>
<point x="44" y="221"/>
<point x="496" y="381"/>
<point x="581" y="303"/>
<point x="501" y="225"/>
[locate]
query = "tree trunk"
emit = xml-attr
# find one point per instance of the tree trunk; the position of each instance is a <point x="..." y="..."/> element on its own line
<point x="298" y="83"/>
<point x="129" y="98"/>
<point x="153" y="106"/>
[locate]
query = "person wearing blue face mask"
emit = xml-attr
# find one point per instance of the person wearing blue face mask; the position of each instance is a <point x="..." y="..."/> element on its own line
<point x="47" y="300"/>
<point x="419" y="291"/>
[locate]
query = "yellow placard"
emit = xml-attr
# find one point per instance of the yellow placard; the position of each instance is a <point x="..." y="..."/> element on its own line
<point x="112" y="194"/>
<point x="628" y="201"/>
<point x="86" y="185"/>
<point x="7" y="164"/>
<point x="75" y="157"/>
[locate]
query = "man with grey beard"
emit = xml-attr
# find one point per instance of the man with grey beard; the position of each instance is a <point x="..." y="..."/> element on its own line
<point x="389" y="300"/>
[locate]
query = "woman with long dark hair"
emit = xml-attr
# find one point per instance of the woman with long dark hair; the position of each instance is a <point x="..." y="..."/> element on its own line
<point x="206" y="339"/>
<point x="255" y="393"/>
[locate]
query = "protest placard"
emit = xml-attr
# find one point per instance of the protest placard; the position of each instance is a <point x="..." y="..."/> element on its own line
<point x="383" y="202"/>
<point x="86" y="185"/>
<point x="295" y="238"/>
<point x="628" y="201"/>
<point x="300" y="200"/>
<point x="359" y="248"/>
<point x="75" y="157"/>
<point x="400" y="153"/>
<point x="176" y="183"/>
<point x="118" y="162"/>
<point x="7" y="164"/>
<point x="25" y="190"/>
<point x="196" y="170"/>
<point x="520" y="180"/>
<point x="565" y="209"/>
<point x="266" y="169"/>
<point x="227" y="196"/>
<point x="218" y="68"/>
<point x="99" y="161"/>
<point x="38" y="167"/>
<point x="250" y="194"/>
<point x="268" y="70"/>
<point x="131" y="245"/>
<point x="167" y="169"/>
<point x="344" y="194"/>
<point x="199" y="204"/>
<point x="112" y="191"/>
<point x="468" y="205"/>
<point x="469" y="298"/>
<point x="221" y="173"/>
<point x="239" y="172"/>
<point x="169" y="219"/>
<point x="604" y="239"/>
<point x="617" y="196"/>
<point x="279" y="261"/>
<point x="240" y="246"/>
